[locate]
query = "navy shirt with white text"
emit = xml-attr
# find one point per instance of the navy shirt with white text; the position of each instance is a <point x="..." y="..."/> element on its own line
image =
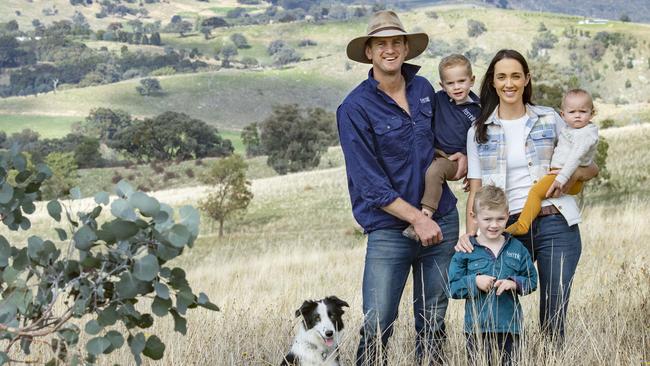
<point x="386" y="150"/>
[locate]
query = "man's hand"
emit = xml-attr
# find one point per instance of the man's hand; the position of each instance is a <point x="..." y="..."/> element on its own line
<point x="485" y="282"/>
<point x="461" y="160"/>
<point x="505" y="285"/>
<point x="464" y="245"/>
<point x="427" y="230"/>
<point x="556" y="189"/>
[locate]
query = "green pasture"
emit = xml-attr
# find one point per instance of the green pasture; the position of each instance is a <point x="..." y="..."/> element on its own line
<point x="46" y="126"/>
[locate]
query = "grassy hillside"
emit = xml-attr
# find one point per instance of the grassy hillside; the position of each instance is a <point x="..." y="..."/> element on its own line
<point x="298" y="242"/>
<point x="228" y="99"/>
<point x="234" y="98"/>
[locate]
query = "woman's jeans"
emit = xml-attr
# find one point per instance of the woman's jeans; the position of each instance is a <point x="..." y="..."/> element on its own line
<point x="556" y="247"/>
<point x="389" y="259"/>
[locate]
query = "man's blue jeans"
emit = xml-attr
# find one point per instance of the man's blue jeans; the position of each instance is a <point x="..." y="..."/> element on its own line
<point x="389" y="259"/>
<point x="556" y="247"/>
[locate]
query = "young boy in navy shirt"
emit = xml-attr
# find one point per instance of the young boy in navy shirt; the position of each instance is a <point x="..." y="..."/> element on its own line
<point x="490" y="278"/>
<point x="456" y="108"/>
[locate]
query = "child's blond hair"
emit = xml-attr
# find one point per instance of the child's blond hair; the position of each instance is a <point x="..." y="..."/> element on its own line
<point x="490" y="198"/>
<point x="454" y="60"/>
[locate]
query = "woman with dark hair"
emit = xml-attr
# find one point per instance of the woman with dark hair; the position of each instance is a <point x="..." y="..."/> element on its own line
<point x="510" y="146"/>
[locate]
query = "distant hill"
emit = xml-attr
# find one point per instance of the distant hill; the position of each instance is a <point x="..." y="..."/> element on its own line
<point x="636" y="10"/>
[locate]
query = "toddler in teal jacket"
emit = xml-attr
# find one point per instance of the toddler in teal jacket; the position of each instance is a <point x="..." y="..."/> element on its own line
<point x="490" y="278"/>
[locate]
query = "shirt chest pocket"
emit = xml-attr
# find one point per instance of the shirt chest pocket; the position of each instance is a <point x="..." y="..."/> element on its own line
<point x="393" y="137"/>
<point x="479" y="266"/>
<point x="423" y="119"/>
<point x="543" y="139"/>
<point x="487" y="154"/>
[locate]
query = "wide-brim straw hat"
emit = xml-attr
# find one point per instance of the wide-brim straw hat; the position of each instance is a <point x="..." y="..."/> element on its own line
<point x="385" y="23"/>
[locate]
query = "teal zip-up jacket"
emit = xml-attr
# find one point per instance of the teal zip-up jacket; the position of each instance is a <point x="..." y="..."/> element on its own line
<point x="487" y="312"/>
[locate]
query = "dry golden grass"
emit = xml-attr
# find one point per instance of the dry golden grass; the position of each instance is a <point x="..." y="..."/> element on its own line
<point x="298" y="241"/>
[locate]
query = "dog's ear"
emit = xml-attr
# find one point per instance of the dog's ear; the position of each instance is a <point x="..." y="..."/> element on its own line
<point x="338" y="302"/>
<point x="306" y="307"/>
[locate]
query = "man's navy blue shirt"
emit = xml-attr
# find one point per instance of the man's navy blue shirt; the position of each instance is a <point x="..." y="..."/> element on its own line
<point x="452" y="121"/>
<point x="387" y="151"/>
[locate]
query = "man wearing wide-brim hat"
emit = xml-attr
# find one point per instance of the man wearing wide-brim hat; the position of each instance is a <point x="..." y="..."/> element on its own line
<point x="385" y="128"/>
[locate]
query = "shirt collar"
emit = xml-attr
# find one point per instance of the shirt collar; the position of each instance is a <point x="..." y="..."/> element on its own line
<point x="508" y="236"/>
<point x="533" y="112"/>
<point x="408" y="70"/>
<point x="473" y="99"/>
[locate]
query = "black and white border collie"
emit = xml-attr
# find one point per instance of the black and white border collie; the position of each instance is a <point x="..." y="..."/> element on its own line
<point x="317" y="341"/>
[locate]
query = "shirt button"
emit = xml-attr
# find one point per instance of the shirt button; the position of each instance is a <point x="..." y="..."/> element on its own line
<point x="530" y="163"/>
<point x="534" y="182"/>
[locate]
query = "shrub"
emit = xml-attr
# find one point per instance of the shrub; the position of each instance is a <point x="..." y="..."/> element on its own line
<point x="167" y="70"/>
<point x="64" y="175"/>
<point x="607" y="123"/>
<point x="432" y="14"/>
<point x="149" y="87"/>
<point x="97" y="278"/>
<point x="169" y="175"/>
<point x="116" y="177"/>
<point x="306" y="43"/>
<point x="239" y="40"/>
<point x="275" y="47"/>
<point x="475" y="28"/>
<point x="189" y="172"/>
<point x="286" y="56"/>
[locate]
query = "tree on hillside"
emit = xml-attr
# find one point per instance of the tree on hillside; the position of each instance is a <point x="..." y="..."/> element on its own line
<point x="95" y="274"/>
<point x="104" y="123"/>
<point x="169" y="136"/>
<point x="251" y="139"/>
<point x="475" y="28"/>
<point x="149" y="87"/>
<point x="181" y="27"/>
<point x="155" y="39"/>
<point x="230" y="192"/>
<point x="227" y="52"/>
<point x="64" y="175"/>
<point x="239" y="40"/>
<point x="294" y="139"/>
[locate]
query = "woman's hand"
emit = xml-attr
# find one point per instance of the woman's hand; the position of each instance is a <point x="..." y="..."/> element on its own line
<point x="464" y="245"/>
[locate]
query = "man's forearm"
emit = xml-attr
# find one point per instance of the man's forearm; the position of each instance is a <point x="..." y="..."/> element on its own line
<point x="403" y="211"/>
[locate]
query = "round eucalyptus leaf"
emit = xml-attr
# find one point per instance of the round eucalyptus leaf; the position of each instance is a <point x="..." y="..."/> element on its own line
<point x="146" y="268"/>
<point x="5" y="251"/>
<point x="178" y="235"/>
<point x="97" y="345"/>
<point x="160" y="307"/>
<point x="162" y="290"/>
<point x="122" y="209"/>
<point x="127" y="287"/>
<point x="84" y="238"/>
<point x="137" y="343"/>
<point x="29" y="207"/>
<point x="116" y="338"/>
<point x="93" y="327"/>
<point x="191" y="218"/>
<point x="122" y="230"/>
<point x="102" y="198"/>
<point x="54" y="209"/>
<point x="124" y="189"/>
<point x="148" y="206"/>
<point x="154" y="348"/>
<point x="75" y="193"/>
<point x="6" y="193"/>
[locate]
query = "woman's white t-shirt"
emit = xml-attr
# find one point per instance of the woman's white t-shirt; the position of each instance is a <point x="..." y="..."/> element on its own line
<point x="518" y="180"/>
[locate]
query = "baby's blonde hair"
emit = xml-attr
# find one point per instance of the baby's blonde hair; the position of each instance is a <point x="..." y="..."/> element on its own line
<point x="578" y="92"/>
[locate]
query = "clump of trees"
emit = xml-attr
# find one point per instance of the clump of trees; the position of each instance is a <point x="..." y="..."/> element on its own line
<point x="98" y="274"/>
<point x="170" y="136"/>
<point x="294" y="139"/>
